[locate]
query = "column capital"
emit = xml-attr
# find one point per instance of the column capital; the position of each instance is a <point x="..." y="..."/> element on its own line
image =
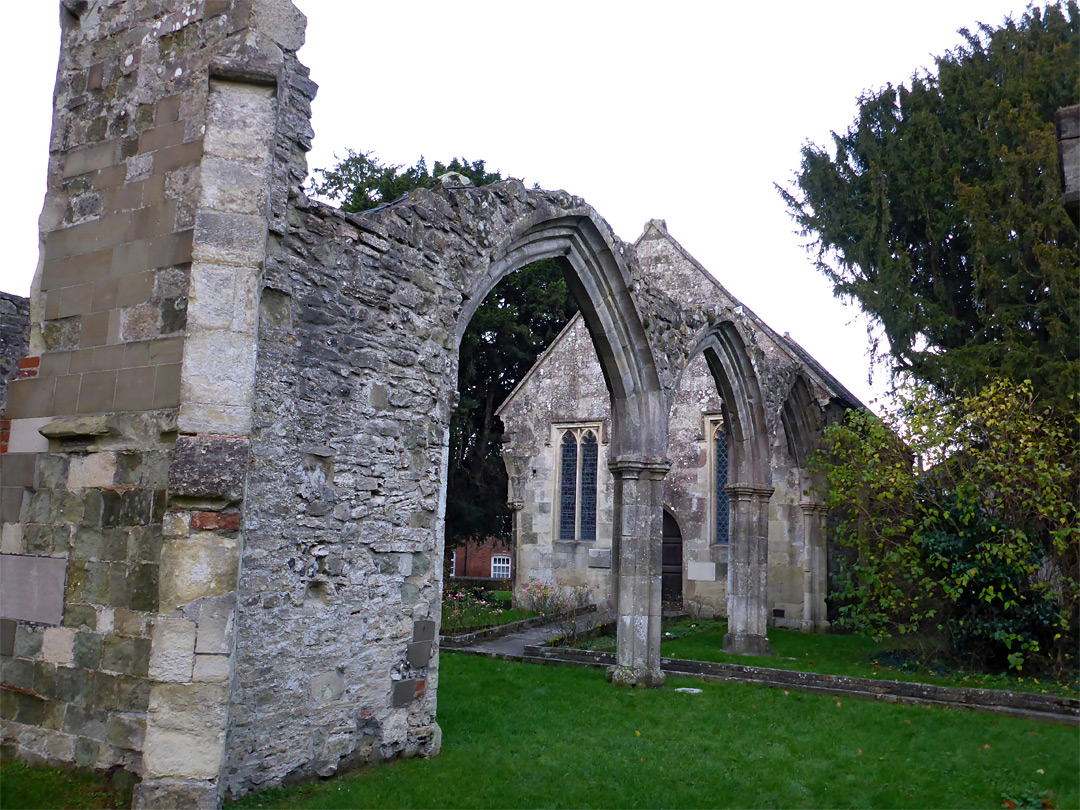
<point x="745" y="492"/>
<point x="639" y="467"/>
<point x="516" y="506"/>
<point x="813" y="507"/>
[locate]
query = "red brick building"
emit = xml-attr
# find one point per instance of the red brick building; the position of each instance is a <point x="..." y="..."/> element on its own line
<point x="485" y="559"/>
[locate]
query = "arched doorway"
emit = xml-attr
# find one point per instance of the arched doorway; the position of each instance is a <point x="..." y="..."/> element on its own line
<point x="671" y="562"/>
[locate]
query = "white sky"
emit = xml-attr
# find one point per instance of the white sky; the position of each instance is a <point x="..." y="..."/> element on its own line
<point x="684" y="111"/>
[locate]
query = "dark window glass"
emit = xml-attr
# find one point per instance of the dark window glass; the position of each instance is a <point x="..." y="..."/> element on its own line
<point x="722" y="508"/>
<point x="588" y="486"/>
<point x="568" y="487"/>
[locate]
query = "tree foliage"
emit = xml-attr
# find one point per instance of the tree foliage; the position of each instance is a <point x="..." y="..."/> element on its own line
<point x="939" y="211"/>
<point x="962" y="523"/>
<point x="509" y="330"/>
<point x="359" y="182"/>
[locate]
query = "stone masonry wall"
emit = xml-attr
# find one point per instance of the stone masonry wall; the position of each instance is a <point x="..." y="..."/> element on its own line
<point x="124" y="657"/>
<point x="110" y="303"/>
<point x="343" y="553"/>
<point x="566" y="389"/>
<point x="14" y="340"/>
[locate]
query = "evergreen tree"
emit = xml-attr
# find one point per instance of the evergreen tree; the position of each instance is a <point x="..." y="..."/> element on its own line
<point x="939" y="211"/>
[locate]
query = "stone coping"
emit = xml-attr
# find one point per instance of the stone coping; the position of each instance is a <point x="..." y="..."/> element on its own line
<point x="469" y="639"/>
<point x="1052" y="708"/>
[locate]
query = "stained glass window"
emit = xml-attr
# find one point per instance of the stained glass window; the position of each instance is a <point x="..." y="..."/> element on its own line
<point x="720" y="480"/>
<point x="568" y="487"/>
<point x="588" y="486"/>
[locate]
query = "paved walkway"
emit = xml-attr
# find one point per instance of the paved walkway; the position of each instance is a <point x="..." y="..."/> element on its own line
<point x="514" y="644"/>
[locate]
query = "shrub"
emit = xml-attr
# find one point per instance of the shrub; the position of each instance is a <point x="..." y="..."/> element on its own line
<point x="962" y="524"/>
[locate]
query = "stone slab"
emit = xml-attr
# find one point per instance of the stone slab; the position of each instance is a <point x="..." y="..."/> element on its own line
<point x="701" y="571"/>
<point x="32" y="588"/>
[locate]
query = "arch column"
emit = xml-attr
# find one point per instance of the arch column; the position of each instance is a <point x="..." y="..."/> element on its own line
<point x="748" y="561"/>
<point x="814" y="566"/>
<point x="637" y="540"/>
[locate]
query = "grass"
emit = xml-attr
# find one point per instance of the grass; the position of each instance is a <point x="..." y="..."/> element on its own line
<point x="26" y="788"/>
<point x="833" y="654"/>
<point x="523" y="735"/>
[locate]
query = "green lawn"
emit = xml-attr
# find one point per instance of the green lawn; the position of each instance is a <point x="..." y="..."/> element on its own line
<point x="834" y="654"/>
<point x="24" y="788"/>
<point x="524" y="735"/>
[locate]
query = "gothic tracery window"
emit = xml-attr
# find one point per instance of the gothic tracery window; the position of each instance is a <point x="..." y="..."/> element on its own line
<point x="578" y="458"/>
<point x="721" y="508"/>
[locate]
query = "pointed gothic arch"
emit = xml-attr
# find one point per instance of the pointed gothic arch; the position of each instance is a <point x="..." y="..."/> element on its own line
<point x="599" y="280"/>
<point x="749" y="484"/>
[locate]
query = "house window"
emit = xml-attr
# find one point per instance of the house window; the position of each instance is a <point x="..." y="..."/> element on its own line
<point x="721" y="507"/>
<point x="500" y="567"/>
<point x="579" y="454"/>
<point x="453" y="563"/>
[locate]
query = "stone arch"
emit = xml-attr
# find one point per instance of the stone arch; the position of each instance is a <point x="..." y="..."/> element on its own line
<point x="803" y="424"/>
<point x="750" y="485"/>
<point x="598" y="277"/>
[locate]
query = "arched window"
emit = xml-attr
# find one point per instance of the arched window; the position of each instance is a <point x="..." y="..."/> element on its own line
<point x="721" y="509"/>
<point x="578" y="458"/>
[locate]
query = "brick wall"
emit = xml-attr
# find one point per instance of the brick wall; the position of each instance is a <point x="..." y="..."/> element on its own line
<point x="474" y="558"/>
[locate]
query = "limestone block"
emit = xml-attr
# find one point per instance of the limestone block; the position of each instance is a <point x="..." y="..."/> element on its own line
<point x="26" y="436"/>
<point x="200" y="565"/>
<point x="227" y="238"/>
<point x="223" y="297"/>
<point x="172" y="656"/>
<point x="219" y="370"/>
<point x="211" y="668"/>
<point x="240" y="121"/>
<point x="92" y="470"/>
<point x="185" y="730"/>
<point x="229" y="185"/>
<point x="58" y="645"/>
<point x="701" y="571"/>
<point x="216" y="623"/>
<point x="11" y="539"/>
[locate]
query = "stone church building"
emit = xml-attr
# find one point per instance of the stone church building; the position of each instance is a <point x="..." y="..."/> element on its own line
<point x="558" y="429"/>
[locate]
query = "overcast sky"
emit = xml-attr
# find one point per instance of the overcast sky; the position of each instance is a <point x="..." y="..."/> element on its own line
<point x="683" y="111"/>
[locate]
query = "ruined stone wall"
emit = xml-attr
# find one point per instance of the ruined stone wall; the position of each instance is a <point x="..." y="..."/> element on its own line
<point x="110" y="303"/>
<point x="14" y="340"/>
<point x="343" y="553"/>
<point x="115" y="498"/>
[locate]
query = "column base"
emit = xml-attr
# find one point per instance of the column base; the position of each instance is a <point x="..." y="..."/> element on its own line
<point x="635" y="676"/>
<point x="746" y="644"/>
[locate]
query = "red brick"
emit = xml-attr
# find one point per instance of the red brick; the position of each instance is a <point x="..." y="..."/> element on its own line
<point x="216" y="521"/>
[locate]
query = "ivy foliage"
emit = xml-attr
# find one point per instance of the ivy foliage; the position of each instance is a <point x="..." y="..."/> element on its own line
<point x="961" y="524"/>
<point x="513" y="325"/>
<point x="939" y="211"/>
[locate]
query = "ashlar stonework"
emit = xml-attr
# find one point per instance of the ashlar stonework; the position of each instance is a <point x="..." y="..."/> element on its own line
<point x="228" y="452"/>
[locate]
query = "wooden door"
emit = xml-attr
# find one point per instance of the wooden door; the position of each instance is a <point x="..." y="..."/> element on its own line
<point x="671" y="561"/>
